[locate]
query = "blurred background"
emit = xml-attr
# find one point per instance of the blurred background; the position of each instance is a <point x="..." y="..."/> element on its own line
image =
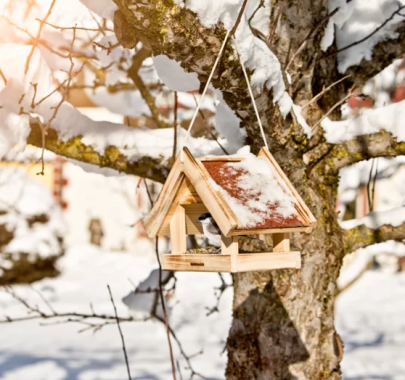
<point x="68" y="229"/>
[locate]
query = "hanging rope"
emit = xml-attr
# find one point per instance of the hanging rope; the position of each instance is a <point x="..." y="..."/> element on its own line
<point x="206" y="88"/>
<point x="203" y="94"/>
<point x="251" y="93"/>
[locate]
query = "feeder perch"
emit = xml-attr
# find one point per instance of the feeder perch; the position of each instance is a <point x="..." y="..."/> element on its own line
<point x="218" y="186"/>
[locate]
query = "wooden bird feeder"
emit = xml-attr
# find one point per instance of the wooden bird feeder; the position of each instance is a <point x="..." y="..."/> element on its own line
<point x="220" y="186"/>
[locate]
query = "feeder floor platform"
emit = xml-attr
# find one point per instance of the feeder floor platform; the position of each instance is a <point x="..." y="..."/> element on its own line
<point x="242" y="262"/>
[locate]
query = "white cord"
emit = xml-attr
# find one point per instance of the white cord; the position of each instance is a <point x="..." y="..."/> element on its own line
<point x="206" y="88"/>
<point x="251" y="93"/>
<point x="203" y="94"/>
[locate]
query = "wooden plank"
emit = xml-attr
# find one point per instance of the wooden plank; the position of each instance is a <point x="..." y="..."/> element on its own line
<point x="196" y="262"/>
<point x="270" y="230"/>
<point x="304" y="211"/>
<point x="214" y="202"/>
<point x="165" y="199"/>
<point x="189" y="195"/>
<point x="178" y="231"/>
<point x="281" y="242"/>
<point x="193" y="211"/>
<point x="267" y="261"/>
<point x="230" y="246"/>
<point x="186" y="194"/>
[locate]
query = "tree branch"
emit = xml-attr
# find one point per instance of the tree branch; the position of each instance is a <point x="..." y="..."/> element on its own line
<point x="328" y="158"/>
<point x="155" y="169"/>
<point x="363" y="236"/>
<point x="137" y="60"/>
<point x="384" y="53"/>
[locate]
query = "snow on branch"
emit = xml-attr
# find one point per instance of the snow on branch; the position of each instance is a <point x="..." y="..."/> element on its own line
<point x="376" y="227"/>
<point x="389" y="118"/>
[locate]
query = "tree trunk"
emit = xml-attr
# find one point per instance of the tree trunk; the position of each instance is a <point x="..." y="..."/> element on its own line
<point x="283" y="324"/>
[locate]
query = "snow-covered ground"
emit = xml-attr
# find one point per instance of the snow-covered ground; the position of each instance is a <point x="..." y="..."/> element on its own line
<point x="29" y="351"/>
<point x="370" y="317"/>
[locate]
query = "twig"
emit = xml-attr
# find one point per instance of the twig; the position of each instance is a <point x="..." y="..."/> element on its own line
<point x="261" y="4"/>
<point x="3" y="77"/>
<point x="37" y="38"/>
<point x="242" y="9"/>
<point x="149" y="99"/>
<point x="209" y="128"/>
<point x="221" y="289"/>
<point x="275" y="22"/>
<point x="162" y="298"/>
<point x="369" y="35"/>
<point x="100" y="29"/>
<point x="36" y="313"/>
<point x="120" y="331"/>
<point x="333" y="108"/>
<point x="162" y="301"/>
<point x="324" y="91"/>
<point x="311" y="33"/>
<point x="175" y="127"/>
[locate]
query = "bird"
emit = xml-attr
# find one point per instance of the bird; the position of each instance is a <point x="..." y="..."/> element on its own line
<point x="212" y="232"/>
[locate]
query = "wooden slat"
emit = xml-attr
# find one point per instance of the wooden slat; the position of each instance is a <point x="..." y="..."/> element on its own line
<point x="178" y="231"/>
<point x="189" y="195"/>
<point x="197" y="262"/>
<point x="271" y="230"/>
<point x="230" y="246"/>
<point x="214" y="202"/>
<point x="304" y="211"/>
<point x="281" y="242"/>
<point x="186" y="194"/>
<point x="165" y="199"/>
<point x="267" y="261"/>
<point x="193" y="212"/>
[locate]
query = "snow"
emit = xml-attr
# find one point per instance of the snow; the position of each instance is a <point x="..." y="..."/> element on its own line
<point x="103" y="8"/>
<point x="356" y="20"/>
<point x="359" y="259"/>
<point x="31" y="350"/>
<point x="174" y="76"/>
<point x="376" y="219"/>
<point x="262" y="187"/>
<point x="370" y="320"/>
<point x="22" y="197"/>
<point x="387" y="118"/>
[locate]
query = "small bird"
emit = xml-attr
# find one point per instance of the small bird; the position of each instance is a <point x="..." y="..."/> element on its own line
<point x="212" y="231"/>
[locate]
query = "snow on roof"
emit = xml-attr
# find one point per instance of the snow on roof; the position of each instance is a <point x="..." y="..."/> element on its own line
<point x="255" y="192"/>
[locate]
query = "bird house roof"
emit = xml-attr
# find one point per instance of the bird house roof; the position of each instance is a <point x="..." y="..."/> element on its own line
<point x="245" y="195"/>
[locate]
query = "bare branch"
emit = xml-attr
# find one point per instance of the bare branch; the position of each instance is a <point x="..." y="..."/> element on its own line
<point x="369" y="35"/>
<point x="3" y="77"/>
<point x="37" y="38"/>
<point x="120" y="331"/>
<point x="242" y="9"/>
<point x="100" y="29"/>
<point x="325" y="90"/>
<point x="145" y="93"/>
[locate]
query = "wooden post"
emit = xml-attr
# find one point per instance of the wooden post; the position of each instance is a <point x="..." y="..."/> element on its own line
<point x="281" y="242"/>
<point x="178" y="231"/>
<point x="230" y="246"/>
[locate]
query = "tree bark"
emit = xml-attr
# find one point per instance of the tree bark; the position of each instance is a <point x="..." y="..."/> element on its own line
<point x="283" y="324"/>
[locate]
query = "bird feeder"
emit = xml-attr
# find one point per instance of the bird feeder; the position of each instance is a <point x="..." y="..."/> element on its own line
<point x="245" y="196"/>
